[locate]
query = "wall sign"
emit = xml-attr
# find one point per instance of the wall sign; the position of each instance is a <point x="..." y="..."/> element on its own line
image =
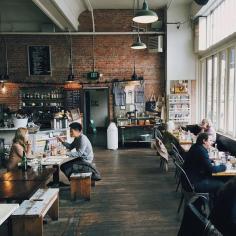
<point x="39" y="60"/>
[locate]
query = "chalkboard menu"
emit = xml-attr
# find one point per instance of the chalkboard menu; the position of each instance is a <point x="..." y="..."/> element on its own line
<point x="39" y="60"/>
<point x="72" y="99"/>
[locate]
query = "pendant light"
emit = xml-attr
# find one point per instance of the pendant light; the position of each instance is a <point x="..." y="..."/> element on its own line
<point x="71" y="77"/>
<point x="134" y="75"/>
<point x="138" y="44"/>
<point x="145" y="15"/>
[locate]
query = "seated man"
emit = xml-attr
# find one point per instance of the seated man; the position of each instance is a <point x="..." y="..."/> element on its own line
<point x="199" y="167"/>
<point x="82" y="157"/>
<point x="206" y="126"/>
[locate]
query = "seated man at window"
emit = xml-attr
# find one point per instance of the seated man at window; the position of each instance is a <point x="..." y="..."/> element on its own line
<point x="206" y="126"/>
<point x="82" y="157"/>
<point x="199" y="167"/>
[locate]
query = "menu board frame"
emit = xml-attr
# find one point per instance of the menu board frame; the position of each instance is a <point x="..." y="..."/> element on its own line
<point x="31" y="59"/>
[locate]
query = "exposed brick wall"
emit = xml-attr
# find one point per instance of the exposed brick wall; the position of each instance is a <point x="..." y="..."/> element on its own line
<point x="113" y="56"/>
<point x="10" y="96"/>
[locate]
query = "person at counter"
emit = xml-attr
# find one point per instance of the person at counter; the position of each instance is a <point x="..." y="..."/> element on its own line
<point x="199" y="167"/>
<point x="20" y="144"/>
<point x="82" y="157"/>
<point x="207" y="127"/>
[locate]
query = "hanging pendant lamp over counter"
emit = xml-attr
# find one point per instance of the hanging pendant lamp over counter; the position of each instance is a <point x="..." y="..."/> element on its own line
<point x="145" y="15"/>
<point x="138" y="44"/>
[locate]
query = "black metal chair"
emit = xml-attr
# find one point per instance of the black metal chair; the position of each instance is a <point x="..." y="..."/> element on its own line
<point x="187" y="189"/>
<point x="157" y="133"/>
<point x="195" y="222"/>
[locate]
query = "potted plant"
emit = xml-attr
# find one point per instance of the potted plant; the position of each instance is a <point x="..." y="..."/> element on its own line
<point x="20" y="119"/>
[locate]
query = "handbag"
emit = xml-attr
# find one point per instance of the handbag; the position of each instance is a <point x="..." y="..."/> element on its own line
<point x="150" y="105"/>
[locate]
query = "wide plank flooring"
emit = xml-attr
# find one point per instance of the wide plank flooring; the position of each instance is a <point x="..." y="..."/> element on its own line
<point x="133" y="198"/>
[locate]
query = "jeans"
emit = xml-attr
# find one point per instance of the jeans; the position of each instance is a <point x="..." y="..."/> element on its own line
<point x="208" y="185"/>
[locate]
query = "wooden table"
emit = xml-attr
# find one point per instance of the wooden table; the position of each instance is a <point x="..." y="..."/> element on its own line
<point x="186" y="145"/>
<point x="6" y="211"/>
<point x="225" y="173"/>
<point x="55" y="162"/>
<point x="19" y="185"/>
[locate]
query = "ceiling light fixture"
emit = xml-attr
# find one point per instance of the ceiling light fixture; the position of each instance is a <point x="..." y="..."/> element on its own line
<point x="145" y="15"/>
<point x="71" y="76"/>
<point x="138" y="44"/>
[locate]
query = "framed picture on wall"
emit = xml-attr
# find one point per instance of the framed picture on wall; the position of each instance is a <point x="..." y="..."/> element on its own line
<point x="39" y="60"/>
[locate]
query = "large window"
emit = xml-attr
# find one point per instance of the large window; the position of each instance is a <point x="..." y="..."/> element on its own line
<point x="217" y="89"/>
<point x="209" y="88"/>
<point x="219" y="23"/>
<point x="217" y="86"/>
<point x="230" y="113"/>
<point x="222" y="90"/>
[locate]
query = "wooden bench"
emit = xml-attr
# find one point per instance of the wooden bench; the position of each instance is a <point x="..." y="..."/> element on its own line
<point x="6" y="211"/>
<point x="28" y="218"/>
<point x="80" y="185"/>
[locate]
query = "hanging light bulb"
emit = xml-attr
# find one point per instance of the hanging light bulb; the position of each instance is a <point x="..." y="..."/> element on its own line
<point x="3" y="87"/>
<point x="138" y="44"/>
<point x="145" y="15"/>
<point x="71" y="76"/>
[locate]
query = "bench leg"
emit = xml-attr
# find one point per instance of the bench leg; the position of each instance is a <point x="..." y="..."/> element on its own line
<point x="74" y="185"/>
<point x="53" y="212"/>
<point x="27" y="226"/>
<point x="80" y="188"/>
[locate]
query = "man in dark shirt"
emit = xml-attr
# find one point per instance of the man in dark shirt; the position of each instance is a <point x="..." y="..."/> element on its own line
<point x="199" y="167"/>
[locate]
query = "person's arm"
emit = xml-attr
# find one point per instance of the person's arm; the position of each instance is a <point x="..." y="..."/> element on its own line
<point x="80" y="148"/>
<point x="28" y="149"/>
<point x="18" y="149"/>
<point x="69" y="146"/>
<point x="208" y="166"/>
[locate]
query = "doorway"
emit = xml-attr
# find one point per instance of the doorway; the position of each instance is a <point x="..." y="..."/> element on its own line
<point x="96" y="114"/>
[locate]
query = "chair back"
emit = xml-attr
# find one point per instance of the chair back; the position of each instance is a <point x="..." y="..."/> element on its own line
<point x="174" y="148"/>
<point x="161" y="149"/>
<point x="177" y="157"/>
<point x="157" y="133"/>
<point x="186" y="184"/>
<point x="195" y="222"/>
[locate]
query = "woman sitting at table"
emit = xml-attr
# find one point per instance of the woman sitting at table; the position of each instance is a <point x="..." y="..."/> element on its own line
<point x="207" y="127"/>
<point x="199" y="167"/>
<point x="20" y="143"/>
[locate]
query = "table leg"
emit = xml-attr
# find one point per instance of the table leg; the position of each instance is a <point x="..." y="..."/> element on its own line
<point x="56" y="175"/>
<point x="122" y="137"/>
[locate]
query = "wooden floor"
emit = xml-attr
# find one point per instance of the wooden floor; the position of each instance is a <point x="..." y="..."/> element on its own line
<point x="133" y="198"/>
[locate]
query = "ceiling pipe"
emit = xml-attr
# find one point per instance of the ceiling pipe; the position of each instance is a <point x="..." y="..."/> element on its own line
<point x="81" y="33"/>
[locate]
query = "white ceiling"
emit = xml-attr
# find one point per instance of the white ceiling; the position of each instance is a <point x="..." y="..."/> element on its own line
<point x="129" y="4"/>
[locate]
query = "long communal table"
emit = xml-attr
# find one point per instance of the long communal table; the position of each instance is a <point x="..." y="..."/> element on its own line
<point x="21" y="185"/>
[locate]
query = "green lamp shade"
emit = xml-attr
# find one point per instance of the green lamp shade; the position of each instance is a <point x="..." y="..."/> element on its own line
<point x="138" y="44"/>
<point x="70" y="78"/>
<point x="145" y="15"/>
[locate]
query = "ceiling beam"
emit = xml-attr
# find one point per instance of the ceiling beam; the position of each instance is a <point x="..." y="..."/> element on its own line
<point x="63" y="13"/>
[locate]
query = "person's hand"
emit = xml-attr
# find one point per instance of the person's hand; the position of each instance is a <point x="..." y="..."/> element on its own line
<point x="60" y="139"/>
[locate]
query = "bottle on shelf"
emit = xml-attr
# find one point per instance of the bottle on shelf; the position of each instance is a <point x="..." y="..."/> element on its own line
<point x="46" y="148"/>
<point x="24" y="162"/>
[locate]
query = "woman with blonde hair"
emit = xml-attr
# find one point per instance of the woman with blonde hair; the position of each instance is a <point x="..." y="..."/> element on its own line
<point x="20" y="144"/>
